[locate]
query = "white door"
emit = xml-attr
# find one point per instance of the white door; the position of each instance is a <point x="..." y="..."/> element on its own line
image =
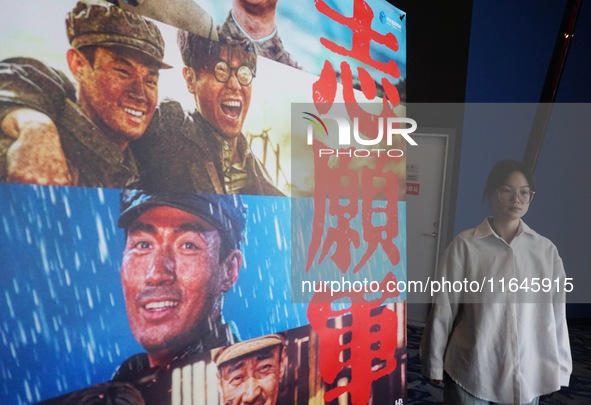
<point x="425" y="177"/>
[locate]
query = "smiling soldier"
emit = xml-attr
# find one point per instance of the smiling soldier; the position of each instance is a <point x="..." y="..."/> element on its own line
<point x="182" y="253"/>
<point x="250" y="372"/>
<point x="206" y="151"/>
<point x="115" y="57"/>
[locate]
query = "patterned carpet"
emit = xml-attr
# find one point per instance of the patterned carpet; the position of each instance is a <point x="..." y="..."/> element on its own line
<point x="420" y="391"/>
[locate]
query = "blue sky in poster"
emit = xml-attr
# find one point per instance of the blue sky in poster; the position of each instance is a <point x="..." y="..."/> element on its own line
<point x="64" y="325"/>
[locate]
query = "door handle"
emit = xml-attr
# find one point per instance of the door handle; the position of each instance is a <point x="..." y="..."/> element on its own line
<point x="432" y="234"/>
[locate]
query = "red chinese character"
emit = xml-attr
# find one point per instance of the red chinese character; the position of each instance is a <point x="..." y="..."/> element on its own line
<point x="362" y="36"/>
<point x="359" y="340"/>
<point x="375" y="235"/>
<point x="340" y="184"/>
<point x="324" y="92"/>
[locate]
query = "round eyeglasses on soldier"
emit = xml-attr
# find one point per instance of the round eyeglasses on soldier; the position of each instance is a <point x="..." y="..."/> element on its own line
<point x="524" y="195"/>
<point x="223" y="72"/>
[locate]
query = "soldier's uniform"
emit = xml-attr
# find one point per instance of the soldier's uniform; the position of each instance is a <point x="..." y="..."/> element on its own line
<point x="93" y="158"/>
<point x="270" y="48"/>
<point x="182" y="152"/>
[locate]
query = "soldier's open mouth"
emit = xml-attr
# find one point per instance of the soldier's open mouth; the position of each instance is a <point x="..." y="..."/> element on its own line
<point x="232" y="108"/>
<point x="135" y="113"/>
<point x="162" y="305"/>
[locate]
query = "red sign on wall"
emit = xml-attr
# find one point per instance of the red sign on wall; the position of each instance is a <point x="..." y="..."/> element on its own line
<point x="412" y="188"/>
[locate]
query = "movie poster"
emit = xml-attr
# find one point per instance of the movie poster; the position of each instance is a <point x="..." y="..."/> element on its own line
<point x="305" y="311"/>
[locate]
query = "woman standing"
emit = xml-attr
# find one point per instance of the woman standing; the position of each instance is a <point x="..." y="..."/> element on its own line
<point x="500" y="348"/>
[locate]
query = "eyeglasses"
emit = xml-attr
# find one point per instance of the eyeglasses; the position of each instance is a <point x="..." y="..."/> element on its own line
<point x="223" y="72"/>
<point x="524" y="195"/>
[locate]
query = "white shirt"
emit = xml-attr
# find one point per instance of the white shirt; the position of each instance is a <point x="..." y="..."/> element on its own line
<point x="502" y="352"/>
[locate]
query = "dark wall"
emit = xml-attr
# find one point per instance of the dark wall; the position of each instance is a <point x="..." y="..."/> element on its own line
<point x="438" y="40"/>
<point x="499" y="52"/>
<point x="510" y="51"/>
<point x="438" y="34"/>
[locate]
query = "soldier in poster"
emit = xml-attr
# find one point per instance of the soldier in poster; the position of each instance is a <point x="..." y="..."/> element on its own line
<point x="182" y="254"/>
<point x="206" y="151"/>
<point x="115" y="57"/>
<point x="250" y="372"/>
<point x="203" y="152"/>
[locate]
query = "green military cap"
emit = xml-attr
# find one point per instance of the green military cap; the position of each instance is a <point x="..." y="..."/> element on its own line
<point x="98" y="22"/>
<point x="226" y="213"/>
<point x="246" y="348"/>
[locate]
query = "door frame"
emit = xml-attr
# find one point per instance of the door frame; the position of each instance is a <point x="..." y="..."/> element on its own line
<point x="449" y="187"/>
<point x="447" y="206"/>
